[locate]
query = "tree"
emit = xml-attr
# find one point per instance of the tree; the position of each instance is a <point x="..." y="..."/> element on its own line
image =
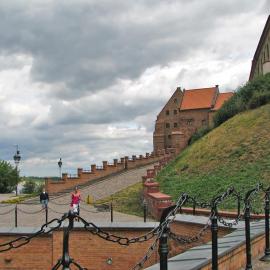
<point x="8" y="177"/>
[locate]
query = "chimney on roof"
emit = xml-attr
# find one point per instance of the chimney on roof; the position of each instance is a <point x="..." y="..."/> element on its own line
<point x="179" y="88"/>
<point x="217" y="85"/>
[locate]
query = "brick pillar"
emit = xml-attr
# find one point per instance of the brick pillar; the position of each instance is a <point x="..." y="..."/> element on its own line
<point x="79" y="172"/>
<point x="115" y="162"/>
<point x="105" y="165"/>
<point x="93" y="168"/>
<point x="64" y="176"/>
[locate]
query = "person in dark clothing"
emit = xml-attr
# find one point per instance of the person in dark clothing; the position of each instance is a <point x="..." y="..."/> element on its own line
<point x="44" y="198"/>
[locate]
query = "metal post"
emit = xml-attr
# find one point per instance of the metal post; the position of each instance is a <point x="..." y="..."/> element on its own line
<point x="16" y="216"/>
<point x="194" y="207"/>
<point x="46" y="214"/>
<point x="111" y="212"/>
<point x="66" y="260"/>
<point x="144" y="212"/>
<point x="163" y="241"/>
<point x="266" y="257"/>
<point x="214" y="230"/>
<point x="247" y="232"/>
<point x="164" y="249"/>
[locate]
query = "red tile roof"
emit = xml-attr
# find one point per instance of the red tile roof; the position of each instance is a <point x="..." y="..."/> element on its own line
<point x="222" y="97"/>
<point x="198" y="98"/>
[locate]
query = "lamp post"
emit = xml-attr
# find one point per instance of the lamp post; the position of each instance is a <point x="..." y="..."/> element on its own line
<point x="60" y="163"/>
<point x="17" y="159"/>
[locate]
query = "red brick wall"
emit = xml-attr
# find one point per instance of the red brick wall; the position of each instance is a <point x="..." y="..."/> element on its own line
<point x="89" y="250"/>
<point x="83" y="177"/>
<point x="36" y="255"/>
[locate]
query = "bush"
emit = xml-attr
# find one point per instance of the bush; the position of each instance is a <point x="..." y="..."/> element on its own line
<point x="250" y="96"/>
<point x="198" y="134"/>
<point x="8" y="177"/>
<point x="30" y="187"/>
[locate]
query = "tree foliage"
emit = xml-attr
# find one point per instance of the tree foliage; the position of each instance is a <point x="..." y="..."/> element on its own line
<point x="8" y="177"/>
<point x="250" y="96"/>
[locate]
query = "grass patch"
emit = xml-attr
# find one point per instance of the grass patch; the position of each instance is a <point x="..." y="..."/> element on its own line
<point x="20" y="198"/>
<point x="237" y="153"/>
<point x="128" y="200"/>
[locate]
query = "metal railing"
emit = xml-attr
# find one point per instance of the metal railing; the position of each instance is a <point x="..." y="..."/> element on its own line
<point x="161" y="234"/>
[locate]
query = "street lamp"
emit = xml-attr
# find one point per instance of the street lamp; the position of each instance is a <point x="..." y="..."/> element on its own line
<point x="17" y="159"/>
<point x="60" y="167"/>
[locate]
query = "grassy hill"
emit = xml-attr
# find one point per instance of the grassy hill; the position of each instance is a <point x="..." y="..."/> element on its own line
<point x="236" y="153"/>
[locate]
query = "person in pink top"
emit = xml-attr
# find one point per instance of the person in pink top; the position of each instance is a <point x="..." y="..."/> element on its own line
<point x="75" y="201"/>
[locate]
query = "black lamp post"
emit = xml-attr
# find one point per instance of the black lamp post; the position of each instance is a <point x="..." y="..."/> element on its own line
<point x="17" y="159"/>
<point x="60" y="163"/>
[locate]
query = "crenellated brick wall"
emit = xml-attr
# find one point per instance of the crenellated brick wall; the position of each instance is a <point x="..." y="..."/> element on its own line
<point x="156" y="201"/>
<point x="96" y="172"/>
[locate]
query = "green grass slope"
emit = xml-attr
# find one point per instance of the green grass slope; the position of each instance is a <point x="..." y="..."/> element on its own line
<point x="237" y="153"/>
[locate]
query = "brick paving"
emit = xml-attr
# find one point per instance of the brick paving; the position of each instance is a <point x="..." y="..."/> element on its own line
<point x="61" y="204"/>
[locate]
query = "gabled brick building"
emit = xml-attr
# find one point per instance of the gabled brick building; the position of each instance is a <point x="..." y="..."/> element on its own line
<point x="185" y="112"/>
<point x="261" y="60"/>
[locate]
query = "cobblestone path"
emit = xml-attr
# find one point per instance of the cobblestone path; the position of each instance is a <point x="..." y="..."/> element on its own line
<point x="32" y="215"/>
<point x="258" y="265"/>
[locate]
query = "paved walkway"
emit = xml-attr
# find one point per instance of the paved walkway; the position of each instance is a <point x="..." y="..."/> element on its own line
<point x="259" y="265"/>
<point x="33" y="215"/>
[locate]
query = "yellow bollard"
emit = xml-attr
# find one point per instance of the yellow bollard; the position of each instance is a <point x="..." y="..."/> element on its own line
<point x="90" y="199"/>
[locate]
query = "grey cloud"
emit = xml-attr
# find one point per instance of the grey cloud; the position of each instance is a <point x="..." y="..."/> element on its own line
<point x="86" y="46"/>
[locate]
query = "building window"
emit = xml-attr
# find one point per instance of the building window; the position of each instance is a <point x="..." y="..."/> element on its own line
<point x="204" y="122"/>
<point x="167" y="112"/>
<point x="169" y="136"/>
<point x="189" y="122"/>
<point x="175" y="111"/>
<point x="175" y="100"/>
<point x="175" y="125"/>
<point x="167" y="125"/>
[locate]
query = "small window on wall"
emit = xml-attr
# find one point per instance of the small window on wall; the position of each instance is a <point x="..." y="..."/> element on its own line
<point x="189" y="122"/>
<point x="175" y="100"/>
<point x="169" y="136"/>
<point x="167" y="125"/>
<point x="175" y="111"/>
<point x="167" y="112"/>
<point x="204" y="122"/>
<point x="175" y="125"/>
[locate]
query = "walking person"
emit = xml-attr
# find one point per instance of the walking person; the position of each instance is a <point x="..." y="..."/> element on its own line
<point x="44" y="198"/>
<point x="75" y="201"/>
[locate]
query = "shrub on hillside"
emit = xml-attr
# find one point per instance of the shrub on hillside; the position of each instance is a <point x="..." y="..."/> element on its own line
<point x="250" y="96"/>
<point x="198" y="134"/>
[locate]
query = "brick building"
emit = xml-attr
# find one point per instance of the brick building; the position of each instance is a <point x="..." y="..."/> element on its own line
<point x="261" y="60"/>
<point x="185" y="112"/>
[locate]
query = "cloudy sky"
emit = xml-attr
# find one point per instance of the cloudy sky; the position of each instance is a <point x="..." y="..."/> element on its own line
<point x="85" y="79"/>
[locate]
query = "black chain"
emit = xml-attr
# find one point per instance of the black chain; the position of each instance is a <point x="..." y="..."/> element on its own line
<point x="23" y="240"/>
<point x="124" y="241"/>
<point x="30" y="213"/>
<point x="7" y="212"/>
<point x="190" y="239"/>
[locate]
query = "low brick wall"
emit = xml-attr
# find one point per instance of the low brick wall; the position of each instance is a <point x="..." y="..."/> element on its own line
<point x="91" y="251"/>
<point x="96" y="172"/>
